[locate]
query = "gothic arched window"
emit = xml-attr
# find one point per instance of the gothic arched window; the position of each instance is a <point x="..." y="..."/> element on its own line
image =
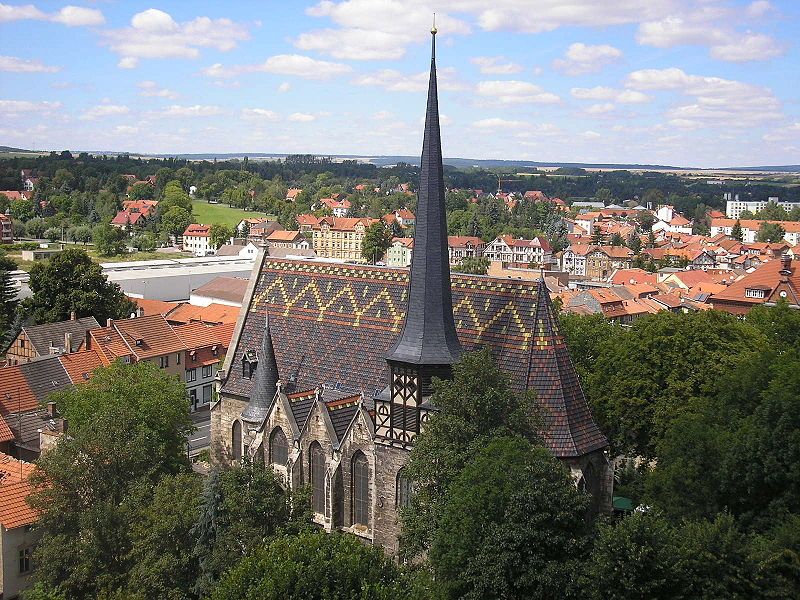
<point x="236" y="440"/>
<point x="278" y="448"/>
<point x="317" y="470"/>
<point x="403" y="490"/>
<point x="361" y="495"/>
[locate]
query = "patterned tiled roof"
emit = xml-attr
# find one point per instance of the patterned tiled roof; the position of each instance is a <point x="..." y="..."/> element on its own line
<point x="334" y="323"/>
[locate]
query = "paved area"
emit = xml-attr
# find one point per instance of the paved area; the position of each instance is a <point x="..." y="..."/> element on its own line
<point x="201" y="437"/>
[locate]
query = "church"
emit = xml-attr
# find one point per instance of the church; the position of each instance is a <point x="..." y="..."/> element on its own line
<point x="328" y="379"/>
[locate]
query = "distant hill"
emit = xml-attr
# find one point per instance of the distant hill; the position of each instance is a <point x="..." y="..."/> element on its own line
<point x="455" y="161"/>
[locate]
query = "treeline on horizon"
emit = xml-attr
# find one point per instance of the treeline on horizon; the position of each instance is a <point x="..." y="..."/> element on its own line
<point x="93" y="173"/>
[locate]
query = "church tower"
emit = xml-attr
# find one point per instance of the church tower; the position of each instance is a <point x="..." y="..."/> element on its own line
<point x="428" y="344"/>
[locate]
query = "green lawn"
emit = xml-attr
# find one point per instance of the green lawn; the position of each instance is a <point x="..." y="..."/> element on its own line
<point x="208" y="214"/>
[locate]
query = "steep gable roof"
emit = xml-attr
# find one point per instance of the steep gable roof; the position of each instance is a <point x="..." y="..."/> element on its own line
<point x="334" y="324"/>
<point x="52" y="334"/>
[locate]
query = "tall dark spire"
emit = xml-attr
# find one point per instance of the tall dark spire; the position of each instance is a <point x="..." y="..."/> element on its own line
<point x="429" y="332"/>
<point x="265" y="381"/>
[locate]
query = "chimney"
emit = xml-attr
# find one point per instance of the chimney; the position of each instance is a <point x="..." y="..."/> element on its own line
<point x="109" y="322"/>
<point x="786" y="263"/>
<point x="72" y="316"/>
<point x="140" y="312"/>
<point x="67" y="342"/>
<point x="51" y="410"/>
<point x="88" y="341"/>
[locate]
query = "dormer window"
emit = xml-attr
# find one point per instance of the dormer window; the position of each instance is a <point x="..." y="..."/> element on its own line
<point x="755" y="293"/>
<point x="215" y="350"/>
<point x="249" y="364"/>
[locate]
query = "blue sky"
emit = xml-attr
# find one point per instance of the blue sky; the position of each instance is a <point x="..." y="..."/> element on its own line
<point x="691" y="83"/>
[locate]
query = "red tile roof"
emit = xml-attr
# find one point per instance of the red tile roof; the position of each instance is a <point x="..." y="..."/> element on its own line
<point x="211" y="315"/>
<point x="284" y="236"/>
<point x="155" y="307"/>
<point x="81" y="365"/>
<point x="14" y="489"/>
<point x="461" y="241"/>
<point x="6" y="435"/>
<point x="198" y="230"/>
<point x="774" y="276"/>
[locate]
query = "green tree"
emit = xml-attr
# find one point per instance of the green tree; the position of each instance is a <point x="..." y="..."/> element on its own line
<point x="22" y="209"/>
<point x="314" y="566"/>
<point x="174" y="195"/>
<point x="53" y="234"/>
<point x="475" y="407"/>
<point x="70" y="281"/>
<point x="220" y="234"/>
<point x="736" y="231"/>
<point x="616" y="239"/>
<point x="162" y="558"/>
<point x="377" y="240"/>
<point x="653" y="196"/>
<point x="604" y="195"/>
<point x="241" y="508"/>
<point x="82" y="234"/>
<point x="142" y="191"/>
<point x="8" y="297"/>
<point x="772" y="212"/>
<point x="127" y="429"/>
<point x="108" y="240"/>
<point x="473" y="266"/>
<point x="513" y="525"/>
<point x="144" y="242"/>
<point x="634" y="242"/>
<point x="35" y="228"/>
<point x="770" y="232"/>
<point x="176" y="220"/>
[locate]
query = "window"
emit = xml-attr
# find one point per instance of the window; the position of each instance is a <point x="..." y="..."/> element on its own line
<point x="21" y="342"/>
<point x="25" y="560"/>
<point x="164" y="361"/>
<point x="207" y="393"/>
<point x="236" y="440"/>
<point x="178" y="358"/>
<point x="754" y="293"/>
<point x="403" y="490"/>
<point x="191" y="374"/>
<point x="207" y="371"/>
<point x="278" y="448"/>
<point x="317" y="470"/>
<point x="360" y="478"/>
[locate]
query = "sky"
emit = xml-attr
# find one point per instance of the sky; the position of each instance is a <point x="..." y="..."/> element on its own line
<point x="701" y="83"/>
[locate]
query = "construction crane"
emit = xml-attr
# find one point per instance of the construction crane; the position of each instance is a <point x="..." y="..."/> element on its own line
<point x="500" y="181"/>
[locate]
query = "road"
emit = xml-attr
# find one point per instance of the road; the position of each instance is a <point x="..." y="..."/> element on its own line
<point x="201" y="437"/>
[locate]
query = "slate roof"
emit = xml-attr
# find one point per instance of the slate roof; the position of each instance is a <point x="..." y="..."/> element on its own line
<point x="23" y="387"/>
<point x="334" y="323"/>
<point x="429" y="333"/>
<point x="43" y="336"/>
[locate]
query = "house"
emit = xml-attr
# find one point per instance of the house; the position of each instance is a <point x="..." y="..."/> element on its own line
<point x="248" y="250"/>
<point x="587" y="220"/>
<point x="602" y="261"/>
<point x="535" y="196"/>
<point x="288" y="239"/>
<point x="6" y="229"/>
<point x="175" y="350"/>
<point x="573" y="259"/>
<point x="307" y="222"/>
<point x="211" y="314"/>
<point x="15" y="195"/>
<point x="402" y="216"/>
<point x="17" y="536"/>
<point x="460" y="247"/>
<point x="206" y="347"/>
<point x="35" y="341"/>
<point x="30" y="179"/>
<point x="750" y="228"/>
<point x="220" y="290"/>
<point x="134" y="213"/>
<point x="399" y="253"/>
<point x="633" y="276"/>
<point x="197" y="239"/>
<point x="339" y="208"/>
<point x="339" y="237"/>
<point x="292" y="194"/>
<point x="261" y="230"/>
<point x="770" y="283"/>
<point x="520" y="253"/>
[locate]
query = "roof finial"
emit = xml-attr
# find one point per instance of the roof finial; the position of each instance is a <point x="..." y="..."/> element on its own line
<point x="433" y="29"/>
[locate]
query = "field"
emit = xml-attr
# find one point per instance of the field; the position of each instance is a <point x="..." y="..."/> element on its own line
<point x="208" y="214"/>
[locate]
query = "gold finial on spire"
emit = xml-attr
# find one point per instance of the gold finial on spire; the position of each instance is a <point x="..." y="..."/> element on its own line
<point x="433" y="29"/>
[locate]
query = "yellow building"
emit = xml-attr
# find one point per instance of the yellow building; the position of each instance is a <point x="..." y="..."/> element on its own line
<point x="340" y="237"/>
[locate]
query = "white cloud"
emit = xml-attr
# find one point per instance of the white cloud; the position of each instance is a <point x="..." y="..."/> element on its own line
<point x="259" y="114"/>
<point x="12" y="64"/>
<point x="284" y="87"/>
<point x="126" y="129"/>
<point x="752" y="46"/>
<point x="299" y="117"/>
<point x="11" y="108"/>
<point x="495" y="65"/>
<point x="150" y="89"/>
<point x="591" y="135"/>
<point x="759" y="8"/>
<point x="498" y="123"/>
<point x="104" y="110"/>
<point x="600" y="109"/>
<point x="714" y="101"/>
<point x="607" y="93"/>
<point x="395" y="81"/>
<point x="374" y="29"/>
<point x="713" y="26"/>
<point x="197" y="110"/>
<point x="283" y="64"/>
<point x="77" y="16"/>
<point x="580" y="59"/>
<point x="789" y="132"/>
<point x="71" y="16"/>
<point x="155" y="34"/>
<point x="515" y="92"/>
